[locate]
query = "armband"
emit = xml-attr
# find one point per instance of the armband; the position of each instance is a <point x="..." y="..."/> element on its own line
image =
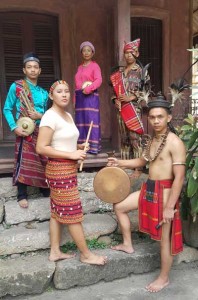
<point x="179" y="163"/>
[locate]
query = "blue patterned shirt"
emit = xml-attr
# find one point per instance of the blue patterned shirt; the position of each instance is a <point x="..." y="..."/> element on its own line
<point x="39" y="96"/>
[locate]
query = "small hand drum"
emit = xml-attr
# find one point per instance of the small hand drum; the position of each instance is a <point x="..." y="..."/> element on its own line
<point x="112" y="184"/>
<point x="86" y="83"/>
<point x="27" y="124"/>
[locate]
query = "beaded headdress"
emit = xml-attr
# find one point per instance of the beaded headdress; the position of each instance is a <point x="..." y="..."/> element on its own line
<point x="55" y="84"/>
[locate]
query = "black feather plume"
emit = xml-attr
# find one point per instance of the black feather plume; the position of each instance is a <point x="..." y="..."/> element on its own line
<point x="177" y="88"/>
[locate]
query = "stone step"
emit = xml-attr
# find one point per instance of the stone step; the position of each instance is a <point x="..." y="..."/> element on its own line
<point x="35" y="236"/>
<point x="39" y="208"/>
<point x="32" y="275"/>
<point x="27" y="275"/>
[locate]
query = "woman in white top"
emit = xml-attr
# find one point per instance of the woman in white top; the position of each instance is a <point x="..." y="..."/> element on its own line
<point x="57" y="140"/>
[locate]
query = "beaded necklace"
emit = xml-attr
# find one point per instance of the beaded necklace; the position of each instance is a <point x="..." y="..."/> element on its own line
<point x="146" y="153"/>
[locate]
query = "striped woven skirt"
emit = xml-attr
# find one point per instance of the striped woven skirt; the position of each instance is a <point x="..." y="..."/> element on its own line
<point x="29" y="167"/>
<point x="66" y="205"/>
<point x="87" y="110"/>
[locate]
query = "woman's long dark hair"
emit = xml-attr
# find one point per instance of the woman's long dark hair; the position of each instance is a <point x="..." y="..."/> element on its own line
<point x="49" y="101"/>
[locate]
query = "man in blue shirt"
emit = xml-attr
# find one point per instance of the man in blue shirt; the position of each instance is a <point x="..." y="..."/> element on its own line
<point x="29" y="167"/>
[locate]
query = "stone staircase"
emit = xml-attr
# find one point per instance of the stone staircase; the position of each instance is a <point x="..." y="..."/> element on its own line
<point x="24" y="244"/>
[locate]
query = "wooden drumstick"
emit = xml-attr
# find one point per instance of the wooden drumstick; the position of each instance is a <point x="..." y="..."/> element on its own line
<point x="162" y="222"/>
<point x="86" y="143"/>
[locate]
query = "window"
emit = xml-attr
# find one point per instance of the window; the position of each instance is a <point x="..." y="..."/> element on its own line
<point x="21" y="33"/>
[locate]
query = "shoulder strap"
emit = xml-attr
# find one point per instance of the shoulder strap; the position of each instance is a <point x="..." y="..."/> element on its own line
<point x="22" y="85"/>
<point x="117" y="82"/>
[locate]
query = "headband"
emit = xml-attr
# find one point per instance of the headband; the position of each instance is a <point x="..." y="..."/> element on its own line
<point x="55" y="84"/>
<point x="87" y="43"/>
<point x="31" y="58"/>
<point x="132" y="45"/>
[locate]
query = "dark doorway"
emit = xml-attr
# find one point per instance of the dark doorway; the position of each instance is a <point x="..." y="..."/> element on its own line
<point x="21" y="33"/>
<point x="150" y="33"/>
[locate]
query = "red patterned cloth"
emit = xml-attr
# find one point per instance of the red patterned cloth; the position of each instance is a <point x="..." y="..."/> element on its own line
<point x="66" y="205"/>
<point x="151" y="213"/>
<point x="128" y="111"/>
<point x="29" y="167"/>
<point x="132" y="45"/>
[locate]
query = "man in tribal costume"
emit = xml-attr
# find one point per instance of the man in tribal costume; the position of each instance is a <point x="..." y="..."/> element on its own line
<point x="129" y="88"/>
<point x="30" y="101"/>
<point x="157" y="201"/>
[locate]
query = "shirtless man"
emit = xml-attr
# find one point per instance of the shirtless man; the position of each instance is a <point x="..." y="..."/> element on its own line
<point x="166" y="155"/>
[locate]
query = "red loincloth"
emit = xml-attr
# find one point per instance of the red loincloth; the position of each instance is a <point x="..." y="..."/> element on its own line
<point x="151" y="213"/>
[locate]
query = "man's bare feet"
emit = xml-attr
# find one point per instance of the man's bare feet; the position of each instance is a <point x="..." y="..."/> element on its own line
<point x="93" y="259"/>
<point x="157" y="285"/>
<point x="23" y="203"/>
<point x="124" y="248"/>
<point x="60" y="256"/>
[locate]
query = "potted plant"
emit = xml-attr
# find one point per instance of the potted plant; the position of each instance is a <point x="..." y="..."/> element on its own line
<point x="189" y="196"/>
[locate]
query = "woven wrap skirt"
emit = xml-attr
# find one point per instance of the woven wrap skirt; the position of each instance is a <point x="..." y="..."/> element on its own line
<point x="66" y="205"/>
<point x="29" y="167"/>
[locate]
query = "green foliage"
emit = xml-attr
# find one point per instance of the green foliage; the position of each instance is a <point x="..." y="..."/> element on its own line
<point x="69" y="246"/>
<point x="92" y="244"/>
<point x="189" y="135"/>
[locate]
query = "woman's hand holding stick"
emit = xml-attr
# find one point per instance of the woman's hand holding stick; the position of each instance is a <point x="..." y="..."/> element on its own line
<point x="86" y="144"/>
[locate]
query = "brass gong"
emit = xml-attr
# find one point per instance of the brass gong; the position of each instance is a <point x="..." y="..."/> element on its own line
<point x="112" y="184"/>
<point x="27" y="124"/>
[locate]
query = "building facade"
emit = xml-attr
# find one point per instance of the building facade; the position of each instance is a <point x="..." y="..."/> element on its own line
<point x="55" y="30"/>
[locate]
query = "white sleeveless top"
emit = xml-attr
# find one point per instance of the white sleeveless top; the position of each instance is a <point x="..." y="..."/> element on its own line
<point x="65" y="133"/>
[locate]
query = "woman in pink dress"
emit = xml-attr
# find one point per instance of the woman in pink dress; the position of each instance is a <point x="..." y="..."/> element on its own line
<point x="87" y="107"/>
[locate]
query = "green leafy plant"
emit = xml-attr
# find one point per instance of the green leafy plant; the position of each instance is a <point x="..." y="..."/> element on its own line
<point x="92" y="244"/>
<point x="69" y="246"/>
<point x="189" y="196"/>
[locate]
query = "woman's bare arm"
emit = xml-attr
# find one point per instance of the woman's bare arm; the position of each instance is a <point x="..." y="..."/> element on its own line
<point x="43" y="146"/>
